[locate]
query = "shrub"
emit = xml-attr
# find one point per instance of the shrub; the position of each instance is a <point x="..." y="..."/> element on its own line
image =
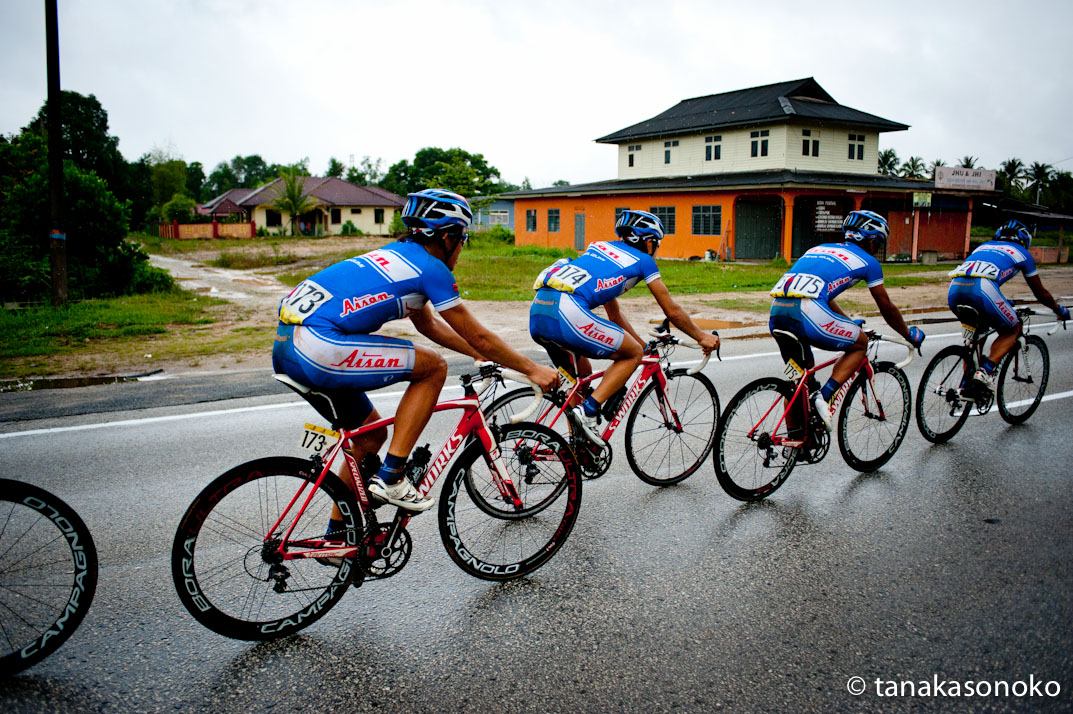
<point x="349" y="229"/>
<point x="180" y="208"/>
<point x="501" y="234"/>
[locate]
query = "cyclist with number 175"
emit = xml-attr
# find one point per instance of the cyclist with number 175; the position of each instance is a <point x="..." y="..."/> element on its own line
<point x="805" y="306"/>
<point x="326" y="334"/>
<point x="977" y="284"/>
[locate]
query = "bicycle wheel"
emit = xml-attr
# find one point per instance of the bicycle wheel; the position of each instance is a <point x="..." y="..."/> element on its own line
<point x="1022" y="380"/>
<point x="494" y="542"/>
<point x="513" y="402"/>
<point x="874" y="417"/>
<point x="669" y="434"/>
<point x="225" y="563"/>
<point x="749" y="463"/>
<point x="48" y="574"/>
<point x="941" y="408"/>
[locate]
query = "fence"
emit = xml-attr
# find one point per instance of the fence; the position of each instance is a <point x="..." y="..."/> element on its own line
<point x="193" y="231"/>
<point x="1049" y="254"/>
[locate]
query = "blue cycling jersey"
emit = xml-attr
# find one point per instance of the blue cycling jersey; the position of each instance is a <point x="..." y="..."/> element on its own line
<point x="357" y="296"/>
<point x="824" y="271"/>
<point x="600" y="274"/>
<point x="996" y="260"/>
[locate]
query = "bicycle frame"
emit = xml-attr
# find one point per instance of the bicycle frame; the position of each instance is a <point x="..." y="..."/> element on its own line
<point x="471" y="423"/>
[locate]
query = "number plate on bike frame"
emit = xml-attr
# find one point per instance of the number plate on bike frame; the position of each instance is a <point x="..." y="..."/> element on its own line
<point x="317" y="438"/>
<point x="967" y="332"/>
<point x="793" y="371"/>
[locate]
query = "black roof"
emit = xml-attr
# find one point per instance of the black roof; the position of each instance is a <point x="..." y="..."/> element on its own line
<point x="800" y="100"/>
<point x="746" y="179"/>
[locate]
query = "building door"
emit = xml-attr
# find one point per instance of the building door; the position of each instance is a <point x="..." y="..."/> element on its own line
<point x="759" y="230"/>
<point x="818" y="219"/>
<point x="579" y="231"/>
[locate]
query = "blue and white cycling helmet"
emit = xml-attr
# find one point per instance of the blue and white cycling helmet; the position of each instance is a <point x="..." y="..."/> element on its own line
<point x="1015" y="231"/>
<point x="866" y="228"/>
<point x="635" y="227"/>
<point x="435" y="209"/>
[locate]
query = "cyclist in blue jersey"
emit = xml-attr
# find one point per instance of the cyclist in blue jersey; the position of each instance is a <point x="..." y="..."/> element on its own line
<point x="562" y="320"/>
<point x="327" y="324"/>
<point x="805" y="306"/>
<point x="977" y="282"/>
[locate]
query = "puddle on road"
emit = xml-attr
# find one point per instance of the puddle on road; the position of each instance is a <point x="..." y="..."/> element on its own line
<point x="35" y="385"/>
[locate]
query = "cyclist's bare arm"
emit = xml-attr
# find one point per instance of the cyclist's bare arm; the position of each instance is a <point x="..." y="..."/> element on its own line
<point x="889" y="311"/>
<point x="489" y="346"/>
<point x="1042" y="294"/>
<point x="614" y="314"/>
<point x="441" y="333"/>
<point x="680" y="318"/>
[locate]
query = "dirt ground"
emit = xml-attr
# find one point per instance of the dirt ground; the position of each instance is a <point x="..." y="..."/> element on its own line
<point x="255" y="294"/>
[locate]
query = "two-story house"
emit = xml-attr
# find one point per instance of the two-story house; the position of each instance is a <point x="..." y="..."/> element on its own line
<point x="754" y="173"/>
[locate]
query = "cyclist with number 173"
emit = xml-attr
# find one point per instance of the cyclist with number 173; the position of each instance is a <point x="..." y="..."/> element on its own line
<point x="804" y="303"/>
<point x="326" y="334"/>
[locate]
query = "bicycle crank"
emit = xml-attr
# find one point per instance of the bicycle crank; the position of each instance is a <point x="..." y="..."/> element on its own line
<point x="382" y="559"/>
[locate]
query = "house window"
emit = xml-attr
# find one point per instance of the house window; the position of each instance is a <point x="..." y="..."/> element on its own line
<point x="856" y="147"/>
<point x="632" y="148"/>
<point x="707" y="220"/>
<point x="273" y="219"/>
<point x="553" y="220"/>
<point x="337" y="216"/>
<point x="354" y="211"/>
<point x="759" y="143"/>
<point x="497" y="218"/>
<point x="378" y="215"/>
<point x="618" y="212"/>
<point x="631" y="161"/>
<point x="665" y="214"/>
<point x="808" y="144"/>
<point x="713" y="148"/>
<point x="667" y="150"/>
<point x="530" y="220"/>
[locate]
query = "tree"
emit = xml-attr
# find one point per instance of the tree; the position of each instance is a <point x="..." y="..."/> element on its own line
<point x="888" y="162"/>
<point x="913" y="167"/>
<point x="452" y="169"/>
<point x="968" y="162"/>
<point x="221" y="180"/>
<point x="195" y="177"/>
<point x="1011" y="176"/>
<point x="293" y="198"/>
<point x="180" y="208"/>
<point x="560" y="182"/>
<point x="251" y="171"/>
<point x="934" y="165"/>
<point x="169" y="178"/>
<point x="335" y="168"/>
<point x="366" y="173"/>
<point x="86" y="141"/>
<point x="1039" y="175"/>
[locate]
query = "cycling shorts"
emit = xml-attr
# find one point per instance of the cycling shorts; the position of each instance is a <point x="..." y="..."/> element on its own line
<point x="814" y="323"/>
<point x="564" y="320"/>
<point x="327" y="359"/>
<point x="983" y="294"/>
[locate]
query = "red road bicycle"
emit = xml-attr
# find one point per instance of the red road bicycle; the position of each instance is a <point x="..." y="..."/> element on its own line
<point x="947" y="393"/>
<point x="670" y="414"/>
<point x="771" y="424"/>
<point x="251" y="559"/>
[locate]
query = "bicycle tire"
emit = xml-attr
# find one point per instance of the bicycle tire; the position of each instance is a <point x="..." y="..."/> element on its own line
<point x="493" y="544"/>
<point x="1018" y="399"/>
<point x="222" y="562"/>
<point x="657" y="453"/>
<point x="505" y="406"/>
<point x="751" y="468"/>
<point x="874" y="417"/>
<point x="941" y="410"/>
<point x="48" y="574"/>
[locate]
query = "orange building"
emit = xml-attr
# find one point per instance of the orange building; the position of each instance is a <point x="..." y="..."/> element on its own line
<point x="751" y="174"/>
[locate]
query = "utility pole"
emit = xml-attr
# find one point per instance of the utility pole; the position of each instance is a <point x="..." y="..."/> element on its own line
<point x="57" y="238"/>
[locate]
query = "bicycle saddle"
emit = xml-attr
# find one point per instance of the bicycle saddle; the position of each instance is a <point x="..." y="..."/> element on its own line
<point x="330" y="404"/>
<point x="969" y="316"/>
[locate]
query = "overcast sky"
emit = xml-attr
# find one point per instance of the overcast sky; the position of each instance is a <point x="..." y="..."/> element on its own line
<point x="530" y="84"/>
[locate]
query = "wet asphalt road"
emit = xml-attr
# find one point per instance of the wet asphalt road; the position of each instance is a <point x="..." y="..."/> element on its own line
<point x="953" y="563"/>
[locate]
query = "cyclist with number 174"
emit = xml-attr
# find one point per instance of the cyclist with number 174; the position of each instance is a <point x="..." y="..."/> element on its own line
<point x="804" y="303"/>
<point x="977" y="284"/>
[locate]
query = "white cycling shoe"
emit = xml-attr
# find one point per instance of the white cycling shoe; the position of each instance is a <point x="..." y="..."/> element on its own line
<point x="824" y="412"/>
<point x="401" y="494"/>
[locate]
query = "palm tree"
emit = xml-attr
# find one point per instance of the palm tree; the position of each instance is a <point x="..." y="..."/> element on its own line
<point x="1013" y="172"/>
<point x="934" y="165"/>
<point x="292" y="197"/>
<point x="1039" y="175"/>
<point x="913" y="167"/>
<point x="888" y="162"/>
<point x="968" y="162"/>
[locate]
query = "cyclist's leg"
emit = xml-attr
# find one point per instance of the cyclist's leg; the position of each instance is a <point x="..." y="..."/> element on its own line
<point x="996" y="312"/>
<point x="826" y="329"/>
